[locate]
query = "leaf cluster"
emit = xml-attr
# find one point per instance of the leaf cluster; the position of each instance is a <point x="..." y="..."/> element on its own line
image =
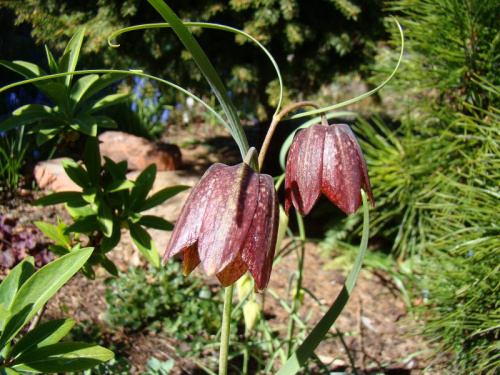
<point x="163" y="300"/>
<point x="107" y="203"/>
<point x="22" y="294"/>
<point x="76" y="106"/>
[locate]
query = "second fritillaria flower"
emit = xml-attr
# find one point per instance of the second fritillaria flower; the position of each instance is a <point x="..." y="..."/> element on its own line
<point x="228" y="224"/>
<point x="325" y="159"/>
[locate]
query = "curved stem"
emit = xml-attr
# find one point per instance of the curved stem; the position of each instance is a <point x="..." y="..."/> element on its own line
<point x="226" y="322"/>
<point x="274" y="124"/>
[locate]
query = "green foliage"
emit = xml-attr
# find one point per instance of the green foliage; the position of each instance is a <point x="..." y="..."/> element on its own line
<point x="435" y="172"/>
<point x="162" y="299"/>
<point x="312" y="42"/>
<point x="22" y="294"/>
<point x="13" y="147"/>
<point x="107" y="203"/>
<point x="76" y="107"/>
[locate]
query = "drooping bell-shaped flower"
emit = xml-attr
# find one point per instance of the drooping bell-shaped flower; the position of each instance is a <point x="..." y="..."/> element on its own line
<point x="229" y="224"/>
<point x="325" y="159"/>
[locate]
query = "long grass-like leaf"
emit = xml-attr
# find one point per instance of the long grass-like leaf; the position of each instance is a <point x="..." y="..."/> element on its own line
<point x="306" y="349"/>
<point x="208" y="71"/>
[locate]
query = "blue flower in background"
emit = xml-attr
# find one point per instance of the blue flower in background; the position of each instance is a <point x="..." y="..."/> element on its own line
<point x="155" y="100"/>
<point x="178" y="106"/>
<point x="139" y="81"/>
<point x="154" y="118"/>
<point x="3" y="134"/>
<point x="165" y="115"/>
<point x="230" y="94"/>
<point x="147" y="102"/>
<point x="133" y="106"/>
<point x="36" y="154"/>
<point x="12" y="101"/>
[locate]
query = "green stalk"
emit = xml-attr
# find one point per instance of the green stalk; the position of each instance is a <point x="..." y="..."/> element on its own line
<point x="295" y="302"/>
<point x="226" y="322"/>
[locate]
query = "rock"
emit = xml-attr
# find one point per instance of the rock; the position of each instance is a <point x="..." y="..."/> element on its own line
<point x="50" y="175"/>
<point x="139" y="152"/>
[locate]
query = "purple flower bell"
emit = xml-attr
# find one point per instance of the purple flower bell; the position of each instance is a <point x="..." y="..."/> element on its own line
<point x="229" y="224"/>
<point x="325" y="159"/>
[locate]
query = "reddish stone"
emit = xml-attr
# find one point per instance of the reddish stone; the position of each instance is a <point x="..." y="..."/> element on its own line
<point x="139" y="152"/>
<point x="50" y="175"/>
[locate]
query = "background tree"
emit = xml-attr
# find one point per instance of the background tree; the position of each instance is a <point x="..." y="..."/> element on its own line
<point x="312" y="41"/>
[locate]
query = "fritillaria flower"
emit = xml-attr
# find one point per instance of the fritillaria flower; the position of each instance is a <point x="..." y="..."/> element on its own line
<point x="325" y="159"/>
<point x="229" y="224"/>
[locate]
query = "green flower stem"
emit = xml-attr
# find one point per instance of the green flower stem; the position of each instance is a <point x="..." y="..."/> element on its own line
<point x="226" y="322"/>
<point x="274" y="124"/>
<point x="300" y="268"/>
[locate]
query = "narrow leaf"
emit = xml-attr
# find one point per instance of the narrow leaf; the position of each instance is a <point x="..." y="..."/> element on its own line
<point x="155" y="222"/>
<point x="70" y="197"/>
<point x="208" y="71"/>
<point x="86" y="224"/>
<point x="161" y="196"/>
<point x="45" y="135"/>
<point x="144" y="243"/>
<point x="53" y="67"/>
<point x="73" y="52"/>
<point x="109" y="266"/>
<point x="15" y="280"/>
<point x="143" y="185"/>
<point x="63" y="357"/>
<point x="45" y="334"/>
<point x="24" y="68"/>
<point x="27" y="115"/>
<point x="85" y="124"/>
<point x="103" y="82"/>
<point x="80" y="88"/>
<point x="76" y="173"/>
<point x="306" y="349"/>
<point x="56" y="92"/>
<point x="118" y="170"/>
<point x="36" y="291"/>
<point x="54" y="232"/>
<point x="105" y="122"/>
<point x="105" y="219"/>
<point x="109" y="243"/>
<point x="120" y="185"/>
<point x="107" y="101"/>
<point x="92" y="160"/>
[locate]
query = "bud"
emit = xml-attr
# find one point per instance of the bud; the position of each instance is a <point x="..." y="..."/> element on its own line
<point x="244" y="286"/>
<point x="325" y="159"/>
<point x="251" y="314"/>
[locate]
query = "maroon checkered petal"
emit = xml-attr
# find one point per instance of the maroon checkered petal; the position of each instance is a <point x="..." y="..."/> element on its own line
<point x="187" y="227"/>
<point x="228" y="216"/>
<point x="260" y="243"/>
<point x="303" y="169"/>
<point x="342" y="177"/>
